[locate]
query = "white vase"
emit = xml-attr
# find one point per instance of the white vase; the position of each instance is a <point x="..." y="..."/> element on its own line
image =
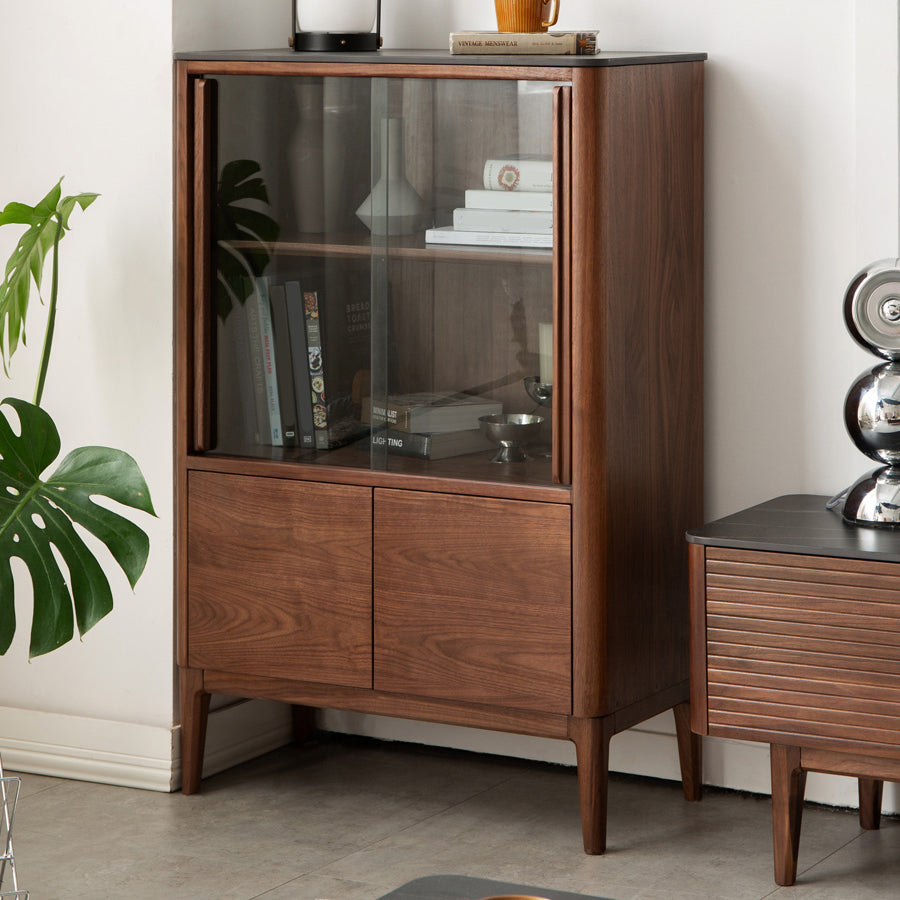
<point x="393" y="207"/>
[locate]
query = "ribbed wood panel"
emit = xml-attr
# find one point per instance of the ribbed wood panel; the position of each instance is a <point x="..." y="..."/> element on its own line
<point x="803" y="647"/>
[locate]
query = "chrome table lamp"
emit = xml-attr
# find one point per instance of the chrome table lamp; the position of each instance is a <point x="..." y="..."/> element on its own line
<point x="336" y="25"/>
<point x="872" y="405"/>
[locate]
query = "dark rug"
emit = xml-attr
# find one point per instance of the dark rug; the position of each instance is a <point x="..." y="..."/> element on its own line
<point x="460" y="887"/>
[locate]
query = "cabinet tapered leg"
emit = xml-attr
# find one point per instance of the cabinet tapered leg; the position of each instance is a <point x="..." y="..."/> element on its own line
<point x="591" y="738"/>
<point x="690" y="753"/>
<point x="788" y="787"/>
<point x="870" y="791"/>
<point x="194" y="715"/>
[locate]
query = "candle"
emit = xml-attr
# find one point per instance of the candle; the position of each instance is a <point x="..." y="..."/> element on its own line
<point x="545" y="346"/>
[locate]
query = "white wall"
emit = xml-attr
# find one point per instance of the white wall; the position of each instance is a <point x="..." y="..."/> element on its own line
<point x="86" y="93"/>
<point x="802" y="188"/>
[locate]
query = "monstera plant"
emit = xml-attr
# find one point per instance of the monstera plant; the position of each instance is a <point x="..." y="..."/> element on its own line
<point x="40" y="509"/>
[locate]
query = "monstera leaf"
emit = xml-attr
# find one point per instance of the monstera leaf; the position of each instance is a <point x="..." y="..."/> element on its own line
<point x="47" y="222"/>
<point x="38" y="516"/>
<point x="243" y="233"/>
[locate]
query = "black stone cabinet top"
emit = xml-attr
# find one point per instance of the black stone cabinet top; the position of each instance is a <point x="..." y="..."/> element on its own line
<point x="799" y="523"/>
<point x="443" y="57"/>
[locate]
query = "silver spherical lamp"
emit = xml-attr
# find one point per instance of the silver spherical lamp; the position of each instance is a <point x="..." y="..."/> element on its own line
<point x="872" y="405"/>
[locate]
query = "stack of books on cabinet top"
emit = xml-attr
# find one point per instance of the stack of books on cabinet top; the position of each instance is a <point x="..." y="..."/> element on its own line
<point x="428" y="425"/>
<point x="542" y="43"/>
<point x="512" y="208"/>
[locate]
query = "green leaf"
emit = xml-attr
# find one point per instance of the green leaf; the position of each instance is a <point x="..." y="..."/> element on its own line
<point x="26" y="265"/>
<point x="236" y="266"/>
<point x="37" y="519"/>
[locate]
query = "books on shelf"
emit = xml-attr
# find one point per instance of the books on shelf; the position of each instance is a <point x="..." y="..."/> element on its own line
<point x="447" y="234"/>
<point x="427" y="445"/>
<point x="537" y="201"/>
<point x="299" y="383"/>
<point x="518" y="173"/>
<point x="523" y="221"/>
<point x="556" y="43"/>
<point x="512" y="208"/>
<point x="430" y="412"/>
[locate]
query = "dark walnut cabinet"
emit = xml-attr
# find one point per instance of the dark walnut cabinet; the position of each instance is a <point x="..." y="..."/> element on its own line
<point x="327" y="567"/>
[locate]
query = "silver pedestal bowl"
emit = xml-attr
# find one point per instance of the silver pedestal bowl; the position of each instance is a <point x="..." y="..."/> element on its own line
<point x="511" y="432"/>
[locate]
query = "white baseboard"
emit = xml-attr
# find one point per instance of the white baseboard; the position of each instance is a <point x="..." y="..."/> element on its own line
<point x="131" y="755"/>
<point x="148" y="757"/>
<point x="86" y="749"/>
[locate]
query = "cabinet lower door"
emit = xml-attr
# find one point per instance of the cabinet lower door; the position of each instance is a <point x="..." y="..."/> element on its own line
<point x="473" y="599"/>
<point x="279" y="578"/>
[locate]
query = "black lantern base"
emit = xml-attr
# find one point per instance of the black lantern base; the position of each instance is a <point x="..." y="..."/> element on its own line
<point x="335" y="41"/>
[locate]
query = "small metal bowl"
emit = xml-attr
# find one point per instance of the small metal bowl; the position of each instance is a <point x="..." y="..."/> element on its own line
<point x="511" y="432"/>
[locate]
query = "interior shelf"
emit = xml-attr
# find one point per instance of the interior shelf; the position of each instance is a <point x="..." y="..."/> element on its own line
<point x="360" y="246"/>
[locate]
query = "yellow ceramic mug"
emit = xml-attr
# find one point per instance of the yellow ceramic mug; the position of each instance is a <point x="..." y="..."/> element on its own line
<point x="525" y="15"/>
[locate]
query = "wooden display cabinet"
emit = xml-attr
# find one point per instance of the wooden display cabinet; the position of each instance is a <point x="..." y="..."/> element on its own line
<point x="544" y="597"/>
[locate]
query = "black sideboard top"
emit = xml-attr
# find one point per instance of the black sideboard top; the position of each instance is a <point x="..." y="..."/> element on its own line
<point x="799" y="523"/>
<point x="443" y="57"/>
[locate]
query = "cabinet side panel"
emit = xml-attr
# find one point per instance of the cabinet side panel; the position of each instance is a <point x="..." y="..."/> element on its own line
<point x="637" y="359"/>
<point x="183" y="322"/>
<point x="279" y="578"/>
<point x="472" y="600"/>
<point x="697" y="573"/>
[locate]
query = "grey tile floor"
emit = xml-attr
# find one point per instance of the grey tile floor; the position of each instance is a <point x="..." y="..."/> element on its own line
<point x="349" y="819"/>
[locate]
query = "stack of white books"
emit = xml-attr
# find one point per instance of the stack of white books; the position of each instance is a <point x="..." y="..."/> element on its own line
<point x="512" y="208"/>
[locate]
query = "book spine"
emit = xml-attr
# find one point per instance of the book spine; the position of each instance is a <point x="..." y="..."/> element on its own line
<point x="487" y="238"/>
<point x="575" y="43"/>
<point x="537" y="201"/>
<point x="506" y="221"/>
<point x="518" y="175"/>
<point x="397" y="417"/>
<point x="403" y="443"/>
<point x="256" y="339"/>
<point x="300" y="359"/>
<point x="267" y="343"/>
<point x="316" y="368"/>
<point x="284" y="368"/>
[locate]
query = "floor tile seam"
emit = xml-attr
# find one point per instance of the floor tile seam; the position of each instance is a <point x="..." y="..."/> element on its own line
<point x="828" y="856"/>
<point x="374" y="843"/>
<point x="295" y="879"/>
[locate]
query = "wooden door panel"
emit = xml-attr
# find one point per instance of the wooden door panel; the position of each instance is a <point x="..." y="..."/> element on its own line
<point x="473" y="599"/>
<point x="279" y="578"/>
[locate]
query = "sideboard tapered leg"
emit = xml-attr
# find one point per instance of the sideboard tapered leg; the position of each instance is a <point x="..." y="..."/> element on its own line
<point x="870" y="793"/>
<point x="788" y="788"/>
<point x="690" y="753"/>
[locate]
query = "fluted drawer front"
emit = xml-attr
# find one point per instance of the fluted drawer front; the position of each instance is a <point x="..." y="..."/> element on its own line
<point x="803" y="648"/>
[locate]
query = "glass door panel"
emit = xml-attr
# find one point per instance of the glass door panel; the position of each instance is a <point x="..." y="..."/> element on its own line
<point x="464" y="261"/>
<point x="384" y="259"/>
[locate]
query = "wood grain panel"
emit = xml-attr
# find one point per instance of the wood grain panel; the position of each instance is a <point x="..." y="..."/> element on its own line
<point x="733" y="559"/>
<point x="833" y="658"/>
<point x="280" y="578"/>
<point x="473" y="600"/>
<point x="803" y="647"/>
